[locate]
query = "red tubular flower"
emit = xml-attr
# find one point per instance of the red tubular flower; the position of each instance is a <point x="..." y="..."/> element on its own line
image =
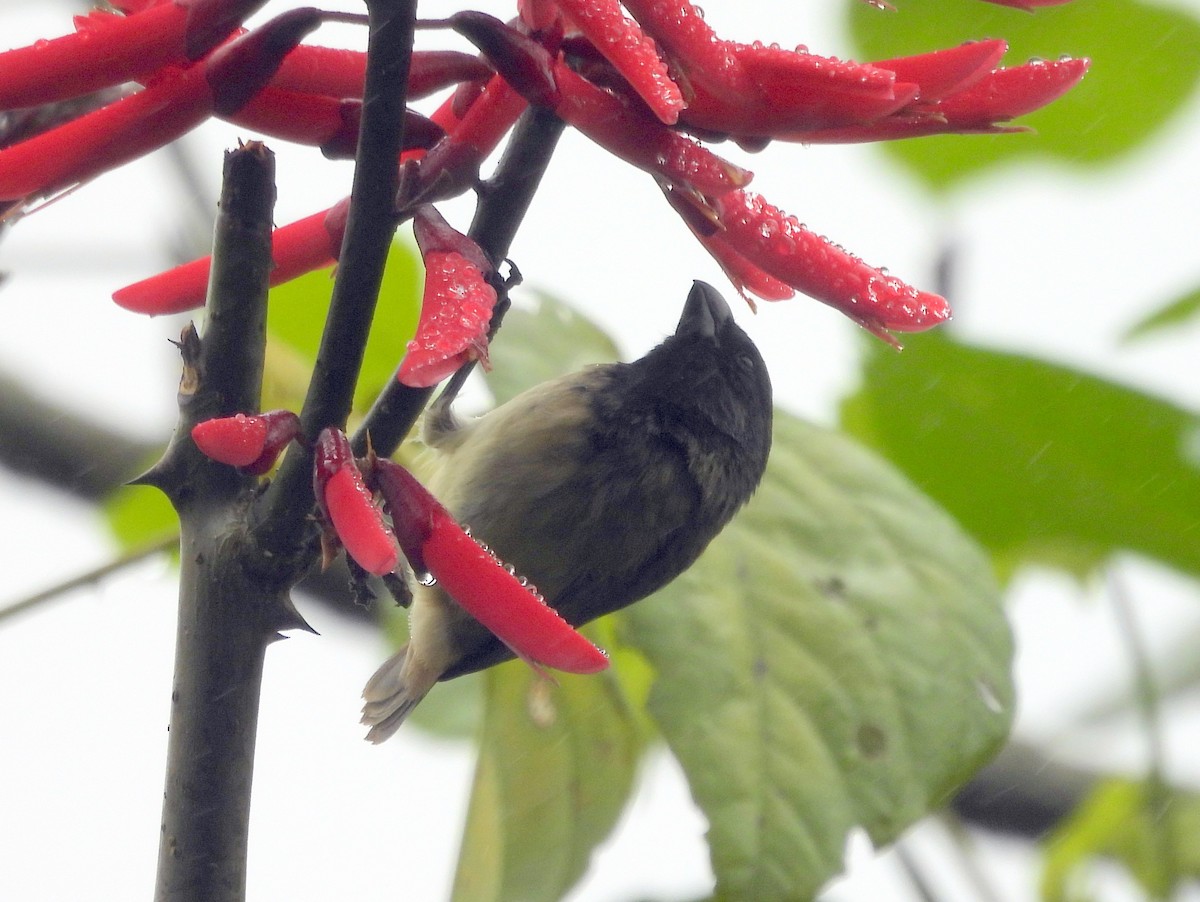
<point x="478" y="581"/>
<point x="754" y="238"/>
<point x="614" y="124"/>
<point x="456" y="307"/>
<point x="997" y="97"/>
<point x="251" y="442"/>
<point x="631" y="52"/>
<point x="758" y="90"/>
<point x="108" y="49"/>
<point x="341" y="73"/>
<point x="472" y="133"/>
<point x="350" y="506"/>
<point x="297" y="248"/>
<point x="177" y="101"/>
<point x="314" y="242"/>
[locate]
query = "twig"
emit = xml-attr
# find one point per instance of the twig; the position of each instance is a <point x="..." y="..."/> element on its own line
<point x="283" y="515"/>
<point x="1158" y="792"/>
<point x="63" y="449"/>
<point x="88" y="577"/>
<point x="504" y="200"/>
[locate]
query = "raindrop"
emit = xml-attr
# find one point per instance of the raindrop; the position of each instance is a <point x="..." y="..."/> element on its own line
<point x="988" y="695"/>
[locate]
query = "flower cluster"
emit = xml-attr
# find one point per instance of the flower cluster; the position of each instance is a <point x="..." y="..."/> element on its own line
<point x="648" y="80"/>
<point x="434" y="545"/>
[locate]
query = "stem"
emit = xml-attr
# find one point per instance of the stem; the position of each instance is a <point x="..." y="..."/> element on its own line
<point x="88" y="577"/>
<point x="1158" y="791"/>
<point x="68" y="451"/>
<point x="224" y="629"/>
<point x="226" y="618"/>
<point x="369" y="228"/>
<point x="503" y="203"/>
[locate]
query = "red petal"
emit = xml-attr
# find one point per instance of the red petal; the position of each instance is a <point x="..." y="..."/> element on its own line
<point x="944" y="71"/>
<point x="1008" y="93"/>
<point x="282" y="427"/>
<point x="789" y="251"/>
<point x="106" y="50"/>
<point x="348" y="503"/>
<point x="303" y="246"/>
<point x="708" y="63"/>
<point x="456" y="310"/>
<point x="106" y="138"/>
<point x="477" y="581"/>
<point x="641" y="140"/>
<point x="237" y="440"/>
<point x="519" y="618"/>
<point x="631" y="51"/>
<point x="359" y="523"/>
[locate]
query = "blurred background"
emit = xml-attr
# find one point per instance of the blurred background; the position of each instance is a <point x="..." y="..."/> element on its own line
<point x="1056" y="247"/>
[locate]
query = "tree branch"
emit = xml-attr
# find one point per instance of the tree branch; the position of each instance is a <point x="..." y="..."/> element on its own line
<point x="59" y="447"/>
<point x="227" y="615"/>
<point x="369" y="229"/>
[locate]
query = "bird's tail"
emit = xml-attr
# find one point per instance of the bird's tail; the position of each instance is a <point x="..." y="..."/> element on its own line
<point x="394" y="690"/>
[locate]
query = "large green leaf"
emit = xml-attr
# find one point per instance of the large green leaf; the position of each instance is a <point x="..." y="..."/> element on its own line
<point x="1153" y="831"/>
<point x="837" y="658"/>
<point x="1145" y="61"/>
<point x="1038" y="461"/>
<point x="556" y="765"/>
<point x="296" y="319"/>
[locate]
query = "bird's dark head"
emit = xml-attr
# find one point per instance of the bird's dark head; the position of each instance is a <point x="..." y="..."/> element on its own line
<point x="710" y="374"/>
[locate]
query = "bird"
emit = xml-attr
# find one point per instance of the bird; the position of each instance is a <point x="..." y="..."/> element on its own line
<point x="599" y="487"/>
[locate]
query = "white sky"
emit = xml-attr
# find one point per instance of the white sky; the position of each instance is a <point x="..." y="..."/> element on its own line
<point x="1057" y="263"/>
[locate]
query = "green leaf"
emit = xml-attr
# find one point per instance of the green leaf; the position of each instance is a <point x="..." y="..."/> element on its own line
<point x="296" y="319"/>
<point x="1152" y="830"/>
<point x="837" y="658"/>
<point x="1177" y="313"/>
<point x="1145" y="62"/>
<point x="139" y="516"/>
<point x="556" y="766"/>
<point x="1039" y="462"/>
<point x="543" y="342"/>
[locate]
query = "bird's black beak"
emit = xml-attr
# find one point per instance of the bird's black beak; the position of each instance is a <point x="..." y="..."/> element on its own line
<point x="704" y="313"/>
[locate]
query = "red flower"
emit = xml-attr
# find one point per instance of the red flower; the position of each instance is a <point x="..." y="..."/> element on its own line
<point x="251" y="442"/>
<point x="638" y="86"/>
<point x="456" y="307"/>
<point x="470" y="574"/>
<point x="350" y="506"/>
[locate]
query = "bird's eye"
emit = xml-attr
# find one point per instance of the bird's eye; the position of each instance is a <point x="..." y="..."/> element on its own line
<point x="746" y="363"/>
